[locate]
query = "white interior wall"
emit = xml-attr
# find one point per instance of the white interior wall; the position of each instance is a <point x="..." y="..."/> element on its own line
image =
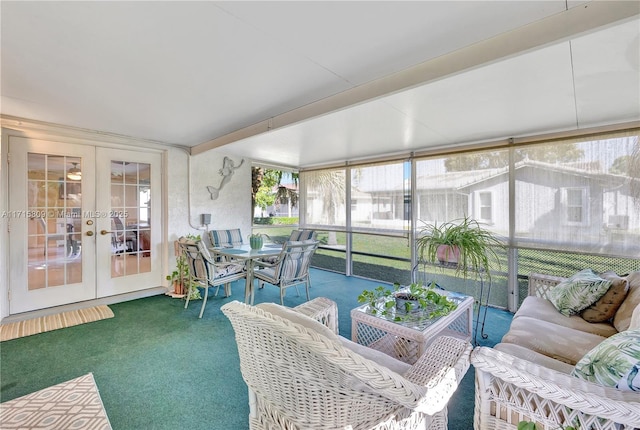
<point x="232" y="207"/>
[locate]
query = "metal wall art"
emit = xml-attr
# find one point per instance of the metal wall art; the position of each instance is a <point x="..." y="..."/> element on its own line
<point x="228" y="167"/>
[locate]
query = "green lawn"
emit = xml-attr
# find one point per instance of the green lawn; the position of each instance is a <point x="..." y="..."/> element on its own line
<point x="375" y="264"/>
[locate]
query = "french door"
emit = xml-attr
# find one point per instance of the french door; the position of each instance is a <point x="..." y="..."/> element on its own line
<point x="85" y="222"/>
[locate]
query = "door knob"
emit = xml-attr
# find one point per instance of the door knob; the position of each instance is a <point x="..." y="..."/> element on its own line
<point x="90" y="233"/>
<point x="103" y="232"/>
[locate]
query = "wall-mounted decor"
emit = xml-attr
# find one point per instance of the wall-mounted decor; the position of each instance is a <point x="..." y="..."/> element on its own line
<point x="228" y="167"/>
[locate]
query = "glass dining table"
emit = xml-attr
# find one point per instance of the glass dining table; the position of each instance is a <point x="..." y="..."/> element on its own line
<point x="249" y="255"/>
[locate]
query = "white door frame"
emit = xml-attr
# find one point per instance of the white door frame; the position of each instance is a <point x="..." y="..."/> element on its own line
<point x="145" y="287"/>
<point x="106" y="284"/>
<point x="23" y="299"/>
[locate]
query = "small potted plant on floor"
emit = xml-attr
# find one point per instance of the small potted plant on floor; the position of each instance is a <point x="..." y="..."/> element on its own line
<point x="464" y="245"/>
<point x="179" y="277"/>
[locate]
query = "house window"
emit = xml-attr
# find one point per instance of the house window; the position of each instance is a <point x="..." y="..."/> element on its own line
<point x="575" y="205"/>
<point x="485" y="206"/>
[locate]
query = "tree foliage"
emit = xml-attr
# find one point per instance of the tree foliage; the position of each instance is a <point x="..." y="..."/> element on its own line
<point x="621" y="165"/>
<point x="265" y="195"/>
<point x="263" y="182"/>
<point x="494" y="159"/>
<point x="257" y="174"/>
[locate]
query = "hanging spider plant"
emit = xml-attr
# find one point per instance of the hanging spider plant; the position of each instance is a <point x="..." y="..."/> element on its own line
<point x="472" y="244"/>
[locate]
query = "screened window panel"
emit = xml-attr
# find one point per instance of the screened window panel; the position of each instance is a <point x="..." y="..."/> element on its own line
<point x="580" y="195"/>
<point x="474" y="185"/>
<point x="325" y="197"/>
<point x="380" y="197"/>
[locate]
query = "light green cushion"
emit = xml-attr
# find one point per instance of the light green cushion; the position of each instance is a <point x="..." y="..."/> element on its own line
<point x="613" y="363"/>
<point x="578" y="292"/>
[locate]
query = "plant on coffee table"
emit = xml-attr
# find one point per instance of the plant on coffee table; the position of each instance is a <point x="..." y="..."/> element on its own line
<point x="416" y="301"/>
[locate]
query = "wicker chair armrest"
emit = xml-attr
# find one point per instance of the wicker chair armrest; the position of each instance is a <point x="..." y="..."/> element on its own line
<point x="440" y="369"/>
<point x="550" y="387"/>
<point x="540" y="284"/>
<point x="321" y="309"/>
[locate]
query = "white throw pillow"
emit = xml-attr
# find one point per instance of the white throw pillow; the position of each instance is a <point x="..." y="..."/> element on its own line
<point x="298" y="318"/>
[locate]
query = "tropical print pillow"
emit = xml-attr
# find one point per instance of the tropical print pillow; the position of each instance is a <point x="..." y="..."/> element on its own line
<point x="613" y="363"/>
<point x="578" y="292"/>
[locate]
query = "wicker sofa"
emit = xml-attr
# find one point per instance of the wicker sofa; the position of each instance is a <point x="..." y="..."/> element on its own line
<point x="527" y="377"/>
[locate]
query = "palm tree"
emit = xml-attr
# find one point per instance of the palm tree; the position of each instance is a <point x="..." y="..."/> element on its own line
<point x="330" y="186"/>
<point x="287" y="194"/>
<point x="257" y="175"/>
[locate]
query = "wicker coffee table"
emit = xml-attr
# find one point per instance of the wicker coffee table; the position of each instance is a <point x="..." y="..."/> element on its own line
<point x="408" y="340"/>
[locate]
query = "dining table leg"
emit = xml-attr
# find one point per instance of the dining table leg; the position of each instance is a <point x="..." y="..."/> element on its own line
<point x="248" y="289"/>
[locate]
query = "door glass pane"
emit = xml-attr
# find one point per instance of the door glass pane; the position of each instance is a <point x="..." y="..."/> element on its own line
<point x="130" y="191"/>
<point x="54" y="220"/>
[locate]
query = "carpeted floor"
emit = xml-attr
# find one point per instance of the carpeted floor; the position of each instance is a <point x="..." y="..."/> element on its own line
<point x="159" y="367"/>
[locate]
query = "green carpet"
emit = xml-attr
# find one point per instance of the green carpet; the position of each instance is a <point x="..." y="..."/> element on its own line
<point x="158" y="366"/>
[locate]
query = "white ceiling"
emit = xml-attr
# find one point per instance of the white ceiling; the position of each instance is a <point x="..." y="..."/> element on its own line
<point x="274" y="81"/>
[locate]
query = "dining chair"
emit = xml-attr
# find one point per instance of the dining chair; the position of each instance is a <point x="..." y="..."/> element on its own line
<point x="122" y="240"/>
<point x="204" y="272"/>
<point x="303" y="235"/>
<point x="295" y="235"/>
<point x="229" y="238"/>
<point x="70" y="244"/>
<point x="226" y="238"/>
<point x="290" y="268"/>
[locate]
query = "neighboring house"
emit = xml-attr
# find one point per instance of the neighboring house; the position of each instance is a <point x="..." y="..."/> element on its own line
<point x="282" y="207"/>
<point x="554" y="203"/>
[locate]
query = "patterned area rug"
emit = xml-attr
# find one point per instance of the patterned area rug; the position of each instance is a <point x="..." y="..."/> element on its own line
<point x="32" y="326"/>
<point x="74" y="404"/>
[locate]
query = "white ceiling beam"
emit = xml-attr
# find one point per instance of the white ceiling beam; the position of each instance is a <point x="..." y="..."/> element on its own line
<point x="554" y="29"/>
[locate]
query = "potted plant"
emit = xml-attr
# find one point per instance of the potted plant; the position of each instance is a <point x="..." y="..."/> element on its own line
<point x="256" y="240"/>
<point x="414" y="301"/>
<point x="180" y="276"/>
<point x="461" y="244"/>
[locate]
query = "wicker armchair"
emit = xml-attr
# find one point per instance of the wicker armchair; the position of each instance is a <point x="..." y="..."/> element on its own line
<point x="301" y="375"/>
